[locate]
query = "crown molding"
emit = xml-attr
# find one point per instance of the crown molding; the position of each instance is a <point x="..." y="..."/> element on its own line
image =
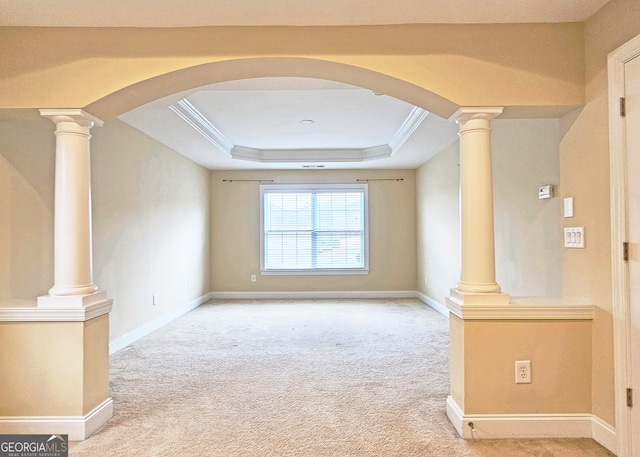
<point x="200" y="123"/>
<point x="310" y="155"/>
<point x="410" y="124"/>
<point x="192" y="116"/>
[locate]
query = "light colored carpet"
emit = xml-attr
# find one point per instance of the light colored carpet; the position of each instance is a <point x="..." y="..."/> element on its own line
<point x="297" y="378"/>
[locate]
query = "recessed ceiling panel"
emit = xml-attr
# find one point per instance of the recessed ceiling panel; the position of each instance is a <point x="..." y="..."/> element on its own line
<point x="287" y="122"/>
<point x="303" y="119"/>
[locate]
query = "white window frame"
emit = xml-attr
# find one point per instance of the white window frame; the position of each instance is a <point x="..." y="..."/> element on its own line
<point x="266" y="188"/>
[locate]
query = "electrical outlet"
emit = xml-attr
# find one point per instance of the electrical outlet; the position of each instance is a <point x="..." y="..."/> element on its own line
<point x="253" y="278"/>
<point x="523" y="371"/>
<point x="154" y="300"/>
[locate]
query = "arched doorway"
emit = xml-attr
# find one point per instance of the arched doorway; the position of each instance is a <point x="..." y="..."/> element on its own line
<point x="191" y="78"/>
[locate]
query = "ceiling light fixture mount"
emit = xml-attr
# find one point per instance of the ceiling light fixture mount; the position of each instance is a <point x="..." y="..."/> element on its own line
<point x="306" y="121"/>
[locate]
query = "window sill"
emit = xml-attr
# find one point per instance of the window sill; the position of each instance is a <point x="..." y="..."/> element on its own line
<point x="326" y="271"/>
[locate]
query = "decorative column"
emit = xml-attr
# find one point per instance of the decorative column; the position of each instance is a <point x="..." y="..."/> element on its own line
<point x="73" y="270"/>
<point x="488" y="334"/>
<point x="67" y="390"/>
<point x="477" y="293"/>
<point x="476" y="202"/>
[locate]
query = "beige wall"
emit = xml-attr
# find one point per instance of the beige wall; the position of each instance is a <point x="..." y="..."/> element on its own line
<point x="470" y="65"/>
<point x="438" y="224"/>
<point x="53" y="368"/>
<point x="584" y="170"/>
<point x="41" y="359"/>
<point x="528" y="231"/>
<point x="135" y="231"/>
<point x="150" y="225"/>
<point x="26" y="207"/>
<point x="457" y="357"/>
<point x="150" y="219"/>
<point x="560" y="355"/>
<point x="235" y="233"/>
<point x="96" y="363"/>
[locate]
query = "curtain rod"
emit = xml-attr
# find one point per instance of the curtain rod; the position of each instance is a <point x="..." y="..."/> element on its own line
<point x="247" y="180"/>
<point x="380" y="179"/>
<point x="271" y="180"/>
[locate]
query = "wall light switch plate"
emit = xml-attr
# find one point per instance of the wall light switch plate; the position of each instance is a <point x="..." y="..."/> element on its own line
<point x="568" y="207"/>
<point x="574" y="237"/>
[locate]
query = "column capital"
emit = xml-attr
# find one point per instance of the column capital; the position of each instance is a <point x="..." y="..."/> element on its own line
<point x="468" y="113"/>
<point x="75" y="115"/>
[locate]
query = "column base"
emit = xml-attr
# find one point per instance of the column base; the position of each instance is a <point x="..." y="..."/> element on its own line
<point x="73" y="290"/>
<point x="72" y="301"/>
<point x="477" y="298"/>
<point x="459" y="300"/>
<point x="478" y="288"/>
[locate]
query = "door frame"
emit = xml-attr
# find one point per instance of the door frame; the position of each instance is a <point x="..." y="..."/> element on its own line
<point x="620" y="278"/>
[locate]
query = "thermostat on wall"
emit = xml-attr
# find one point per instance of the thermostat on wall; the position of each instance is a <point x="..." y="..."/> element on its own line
<point x="545" y="191"/>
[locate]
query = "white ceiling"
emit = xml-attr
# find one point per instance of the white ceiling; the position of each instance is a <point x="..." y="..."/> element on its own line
<point x="185" y="13"/>
<point x="293" y="123"/>
<point x="257" y="123"/>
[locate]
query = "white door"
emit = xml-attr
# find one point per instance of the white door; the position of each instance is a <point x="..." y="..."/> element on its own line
<point x="632" y="134"/>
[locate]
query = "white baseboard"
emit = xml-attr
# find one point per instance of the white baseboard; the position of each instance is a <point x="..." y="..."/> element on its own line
<point x="134" y="335"/>
<point x="77" y="427"/>
<point x="605" y="434"/>
<point x="500" y="426"/>
<point x="455" y="415"/>
<point x="312" y="295"/>
<point x="442" y="309"/>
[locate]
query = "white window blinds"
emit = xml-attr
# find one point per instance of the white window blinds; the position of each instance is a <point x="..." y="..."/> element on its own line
<point x="314" y="228"/>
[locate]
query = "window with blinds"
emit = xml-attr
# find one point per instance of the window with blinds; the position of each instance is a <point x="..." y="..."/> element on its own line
<point x="314" y="228"/>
